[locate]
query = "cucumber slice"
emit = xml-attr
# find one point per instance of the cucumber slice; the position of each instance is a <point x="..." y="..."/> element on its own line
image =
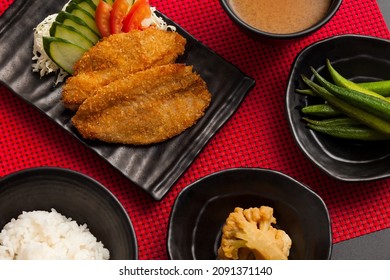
<point x="75" y="10"/>
<point x="62" y="52"/>
<point x="95" y="2"/>
<point x="89" y="2"/>
<point x="70" y="20"/>
<point x="70" y="34"/>
<point x="85" y="6"/>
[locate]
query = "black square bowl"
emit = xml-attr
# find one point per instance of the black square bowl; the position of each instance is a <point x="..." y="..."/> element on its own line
<point x="358" y="58"/>
<point x="201" y="209"/>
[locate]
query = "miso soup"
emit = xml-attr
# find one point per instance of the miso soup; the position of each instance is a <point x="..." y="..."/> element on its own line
<point x="281" y="16"/>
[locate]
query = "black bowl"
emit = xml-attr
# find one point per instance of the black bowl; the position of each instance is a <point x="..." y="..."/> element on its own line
<point x="273" y="37"/>
<point x="359" y="58"/>
<point x="73" y="195"/>
<point x="201" y="209"/>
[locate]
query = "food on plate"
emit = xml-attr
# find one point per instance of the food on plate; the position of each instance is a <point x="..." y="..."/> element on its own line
<point x="364" y="101"/>
<point x="381" y="87"/>
<point x="280" y="16"/>
<point x="61" y="39"/>
<point x="249" y="234"/>
<point x="41" y="61"/>
<point x="359" y="113"/>
<point x="378" y="129"/>
<point x="146" y="107"/>
<point x="139" y="11"/>
<point x="339" y="80"/>
<point x="321" y="110"/>
<point x="102" y="18"/>
<point x="347" y="131"/>
<point x="118" y="56"/>
<point x="124" y="15"/>
<point x="136" y="50"/>
<point x="43" y="235"/>
<point x="113" y="51"/>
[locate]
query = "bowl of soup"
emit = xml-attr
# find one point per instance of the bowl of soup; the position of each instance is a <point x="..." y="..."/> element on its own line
<point x="280" y="19"/>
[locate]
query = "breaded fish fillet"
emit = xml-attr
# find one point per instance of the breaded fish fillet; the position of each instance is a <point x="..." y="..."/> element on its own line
<point x="116" y="57"/>
<point x="135" y="51"/>
<point x="80" y="87"/>
<point x="147" y="107"/>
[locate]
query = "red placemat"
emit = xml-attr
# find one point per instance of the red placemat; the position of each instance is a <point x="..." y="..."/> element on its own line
<point x="256" y="136"/>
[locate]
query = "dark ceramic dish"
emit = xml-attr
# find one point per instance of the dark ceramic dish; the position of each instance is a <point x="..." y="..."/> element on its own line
<point x="359" y="58"/>
<point x="73" y="195"/>
<point x="273" y="37"/>
<point x="153" y="168"/>
<point x="201" y="209"/>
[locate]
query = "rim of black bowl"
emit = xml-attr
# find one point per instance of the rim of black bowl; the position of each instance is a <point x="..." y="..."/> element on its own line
<point x="196" y="184"/>
<point x="49" y="169"/>
<point x="335" y="5"/>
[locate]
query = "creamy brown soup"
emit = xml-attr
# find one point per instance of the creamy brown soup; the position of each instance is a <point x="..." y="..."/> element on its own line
<point x="281" y="16"/>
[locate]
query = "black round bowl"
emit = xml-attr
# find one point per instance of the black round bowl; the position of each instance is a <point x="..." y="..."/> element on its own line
<point x="201" y="209"/>
<point x="359" y="58"/>
<point x="75" y="196"/>
<point x="274" y="37"/>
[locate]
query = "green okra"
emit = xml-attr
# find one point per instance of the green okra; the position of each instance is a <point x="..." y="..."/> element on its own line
<point x="350" y="132"/>
<point x="349" y="110"/>
<point x="339" y="80"/>
<point x="343" y="121"/>
<point x="365" y="102"/>
<point x="381" y="87"/>
<point x="321" y="110"/>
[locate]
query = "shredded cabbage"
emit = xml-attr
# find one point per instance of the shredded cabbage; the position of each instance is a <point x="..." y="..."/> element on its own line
<point x="42" y="62"/>
<point x="157" y="21"/>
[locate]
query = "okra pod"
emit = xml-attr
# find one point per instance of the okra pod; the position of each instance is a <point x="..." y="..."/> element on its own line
<point x="339" y="80"/>
<point x="344" y="121"/>
<point x="365" y="102"/>
<point x="350" y="132"/>
<point x="381" y="87"/>
<point x="370" y="120"/>
<point x="321" y="110"/>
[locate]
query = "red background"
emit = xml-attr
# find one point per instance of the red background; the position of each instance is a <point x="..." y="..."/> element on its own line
<point x="256" y="136"/>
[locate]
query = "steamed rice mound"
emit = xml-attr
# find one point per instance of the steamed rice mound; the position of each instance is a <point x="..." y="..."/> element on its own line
<point x="43" y="235"/>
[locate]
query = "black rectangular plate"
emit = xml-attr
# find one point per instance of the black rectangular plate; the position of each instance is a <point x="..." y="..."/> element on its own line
<point x="154" y="168"/>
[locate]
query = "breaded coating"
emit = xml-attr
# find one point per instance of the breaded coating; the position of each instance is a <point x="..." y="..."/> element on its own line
<point x="146" y="107"/>
<point x="134" y="51"/>
<point x="116" y="57"/>
<point x="249" y="234"/>
<point x="80" y="87"/>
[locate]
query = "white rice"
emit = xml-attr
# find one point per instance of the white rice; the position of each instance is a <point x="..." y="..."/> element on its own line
<point x="42" y="235"/>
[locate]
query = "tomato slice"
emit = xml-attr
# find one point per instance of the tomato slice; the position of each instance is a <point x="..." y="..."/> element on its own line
<point x="102" y="18"/>
<point x="118" y="13"/>
<point x="138" y="12"/>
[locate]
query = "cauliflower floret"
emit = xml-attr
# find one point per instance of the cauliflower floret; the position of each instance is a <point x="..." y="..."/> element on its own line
<point x="248" y="234"/>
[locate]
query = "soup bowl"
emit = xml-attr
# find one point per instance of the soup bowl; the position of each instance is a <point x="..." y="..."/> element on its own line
<point x="268" y="34"/>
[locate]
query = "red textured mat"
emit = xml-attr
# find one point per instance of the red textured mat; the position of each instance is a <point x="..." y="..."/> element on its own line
<point x="256" y="136"/>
